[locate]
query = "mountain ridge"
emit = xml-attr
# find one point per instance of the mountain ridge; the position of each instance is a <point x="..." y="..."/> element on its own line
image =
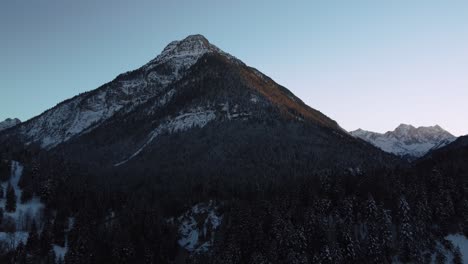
<point x="9" y="123"/>
<point x="80" y="113"/>
<point x="84" y="112"/>
<point x="192" y="87"/>
<point x="196" y="105"/>
<point x="407" y="140"/>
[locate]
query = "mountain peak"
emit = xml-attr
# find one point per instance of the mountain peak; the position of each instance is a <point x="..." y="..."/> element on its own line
<point x="404" y="127"/>
<point x="421" y="133"/>
<point x="226" y="90"/>
<point x="184" y="53"/>
<point x="407" y="139"/>
<point x="196" y="37"/>
<point x="190" y="43"/>
<point x="9" y="122"/>
<point x="16" y="120"/>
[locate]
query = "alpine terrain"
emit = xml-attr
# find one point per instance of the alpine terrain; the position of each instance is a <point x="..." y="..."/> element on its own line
<point x="191" y="85"/>
<point x="9" y="122"/>
<point x="196" y="157"/>
<point x="407" y="140"/>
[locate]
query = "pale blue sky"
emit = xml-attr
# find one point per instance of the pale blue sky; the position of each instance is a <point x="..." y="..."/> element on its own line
<point x="369" y="64"/>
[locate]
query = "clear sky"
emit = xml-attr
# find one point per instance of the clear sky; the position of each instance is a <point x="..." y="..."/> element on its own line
<point x="367" y="64"/>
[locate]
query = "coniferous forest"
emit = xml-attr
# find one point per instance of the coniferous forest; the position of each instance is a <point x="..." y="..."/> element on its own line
<point x="325" y="216"/>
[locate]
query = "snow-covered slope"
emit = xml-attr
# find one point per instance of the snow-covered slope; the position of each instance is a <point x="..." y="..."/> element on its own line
<point x="9" y="122"/>
<point x="23" y="214"/>
<point x="179" y="123"/>
<point x="407" y="140"/>
<point x="191" y="87"/>
<point x="197" y="227"/>
<point x="86" y="111"/>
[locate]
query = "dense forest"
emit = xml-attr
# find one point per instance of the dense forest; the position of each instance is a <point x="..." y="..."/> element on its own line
<point x="328" y="216"/>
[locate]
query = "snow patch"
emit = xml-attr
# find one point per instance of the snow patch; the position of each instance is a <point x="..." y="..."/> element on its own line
<point x="70" y="119"/>
<point x="129" y="86"/>
<point x="24" y="212"/>
<point x="197" y="227"/>
<point x="460" y="241"/>
<point x="254" y="99"/>
<point x="179" y="123"/>
<point x="188" y="120"/>
<point x="59" y="251"/>
<point x="12" y="240"/>
<point x="234" y="113"/>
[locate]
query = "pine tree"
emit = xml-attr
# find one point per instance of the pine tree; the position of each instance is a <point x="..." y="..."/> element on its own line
<point x="51" y="258"/>
<point x="79" y="244"/>
<point x="20" y="254"/>
<point x="5" y="170"/>
<point x="1" y="216"/>
<point x="58" y="229"/>
<point x="258" y="258"/>
<point x="325" y="256"/>
<point x="45" y="241"/>
<point x="33" y="240"/>
<point x="60" y="260"/>
<point x="371" y="209"/>
<point x="457" y="256"/>
<point x="385" y="230"/>
<point x="375" y="223"/>
<point x="440" y="258"/>
<point x="406" y="232"/>
<point x="27" y="194"/>
<point x="464" y="213"/>
<point x="347" y="243"/>
<point x="10" y="205"/>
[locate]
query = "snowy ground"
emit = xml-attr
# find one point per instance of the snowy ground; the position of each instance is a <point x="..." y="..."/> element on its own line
<point x="197" y="227"/>
<point x="462" y="242"/>
<point x="182" y="122"/>
<point x="24" y="213"/>
<point x="12" y="240"/>
<point x="457" y="240"/>
<point x="60" y="252"/>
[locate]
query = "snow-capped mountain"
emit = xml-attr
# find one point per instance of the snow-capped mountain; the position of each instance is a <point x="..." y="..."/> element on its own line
<point x="192" y="124"/>
<point x="407" y="140"/>
<point x="86" y="111"/>
<point x="9" y="122"/>
<point x="191" y="86"/>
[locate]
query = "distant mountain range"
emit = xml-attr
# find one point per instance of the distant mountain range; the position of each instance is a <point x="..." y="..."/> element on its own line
<point x="407" y="140"/>
<point x="8" y="123"/>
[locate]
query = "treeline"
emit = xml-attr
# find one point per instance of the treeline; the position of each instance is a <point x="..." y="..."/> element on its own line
<point x="310" y="216"/>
